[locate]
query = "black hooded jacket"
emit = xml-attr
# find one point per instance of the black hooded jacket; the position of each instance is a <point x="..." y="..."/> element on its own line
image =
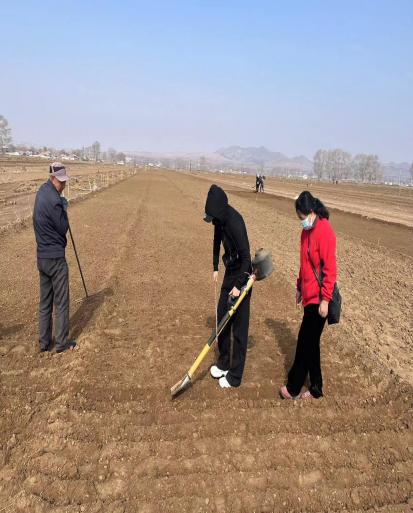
<point x="231" y="231"/>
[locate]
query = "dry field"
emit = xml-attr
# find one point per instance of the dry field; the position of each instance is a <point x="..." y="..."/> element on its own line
<point x="95" y="430"/>
<point x="387" y="203"/>
<point x="20" y="179"/>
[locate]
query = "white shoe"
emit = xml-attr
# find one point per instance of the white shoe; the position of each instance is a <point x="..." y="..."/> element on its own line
<point x="217" y="373"/>
<point x="223" y="383"/>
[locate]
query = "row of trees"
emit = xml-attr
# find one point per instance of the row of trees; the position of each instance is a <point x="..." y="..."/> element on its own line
<point x="113" y="156"/>
<point x="91" y="153"/>
<point x="5" y="134"/>
<point x="340" y="165"/>
<point x="333" y="165"/>
<point x="95" y="153"/>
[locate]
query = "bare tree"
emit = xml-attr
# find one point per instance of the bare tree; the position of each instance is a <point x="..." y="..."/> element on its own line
<point x="339" y="166"/>
<point x="320" y="163"/>
<point x="375" y="171"/>
<point x="367" y="168"/>
<point x="111" y="154"/>
<point x="96" y="150"/>
<point x="5" y="134"/>
<point x="411" y="172"/>
<point x="360" y="167"/>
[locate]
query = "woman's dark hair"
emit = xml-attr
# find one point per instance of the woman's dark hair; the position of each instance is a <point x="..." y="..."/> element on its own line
<point x="306" y="203"/>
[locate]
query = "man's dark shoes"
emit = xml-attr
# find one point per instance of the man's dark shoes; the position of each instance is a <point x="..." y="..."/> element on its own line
<point x="68" y="345"/>
<point x="45" y="349"/>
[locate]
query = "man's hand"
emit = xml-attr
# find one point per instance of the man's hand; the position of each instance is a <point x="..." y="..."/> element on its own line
<point x="323" y="308"/>
<point x="235" y="292"/>
<point x="215" y="276"/>
<point x="64" y="204"/>
<point x="298" y="297"/>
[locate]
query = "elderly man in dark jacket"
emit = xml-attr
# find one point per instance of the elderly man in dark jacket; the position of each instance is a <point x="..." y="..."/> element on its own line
<point x="51" y="223"/>
<point x="230" y="230"/>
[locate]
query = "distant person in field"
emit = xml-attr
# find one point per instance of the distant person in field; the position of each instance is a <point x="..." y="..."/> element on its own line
<point x="257" y="183"/>
<point x="230" y="230"/>
<point x="261" y="185"/>
<point x="51" y="223"/>
<point x="318" y="249"/>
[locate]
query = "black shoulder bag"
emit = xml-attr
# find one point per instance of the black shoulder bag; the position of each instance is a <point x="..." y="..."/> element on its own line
<point x="231" y="260"/>
<point x="334" y="306"/>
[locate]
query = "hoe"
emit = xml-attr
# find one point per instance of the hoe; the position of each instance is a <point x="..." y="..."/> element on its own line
<point x="262" y="267"/>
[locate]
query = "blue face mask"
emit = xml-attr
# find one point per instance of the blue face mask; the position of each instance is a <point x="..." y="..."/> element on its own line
<point x="306" y="224"/>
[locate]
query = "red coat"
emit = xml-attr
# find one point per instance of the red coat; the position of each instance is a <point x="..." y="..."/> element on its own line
<point x="322" y="242"/>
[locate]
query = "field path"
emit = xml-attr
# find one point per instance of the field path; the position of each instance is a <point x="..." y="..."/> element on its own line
<point x="95" y="430"/>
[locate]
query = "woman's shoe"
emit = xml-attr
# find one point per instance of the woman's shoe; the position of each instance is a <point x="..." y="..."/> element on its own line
<point x="316" y="391"/>
<point x="285" y="394"/>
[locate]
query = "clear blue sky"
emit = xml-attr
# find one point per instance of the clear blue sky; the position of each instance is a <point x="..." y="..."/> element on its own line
<point x="198" y="75"/>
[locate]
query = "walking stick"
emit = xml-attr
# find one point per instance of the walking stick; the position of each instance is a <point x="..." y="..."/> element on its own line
<point x="78" y="263"/>
<point x="216" y="309"/>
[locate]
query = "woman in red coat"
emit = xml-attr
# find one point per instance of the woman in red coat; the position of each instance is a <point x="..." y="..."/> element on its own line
<point x="318" y="249"/>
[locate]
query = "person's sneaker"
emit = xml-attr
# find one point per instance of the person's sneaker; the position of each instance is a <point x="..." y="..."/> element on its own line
<point x="68" y="345"/>
<point x="285" y="394"/>
<point x="45" y="349"/>
<point x="223" y="382"/>
<point x="217" y="373"/>
<point x="316" y="391"/>
<point x="306" y="395"/>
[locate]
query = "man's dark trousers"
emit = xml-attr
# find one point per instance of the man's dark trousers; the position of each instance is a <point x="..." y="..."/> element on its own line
<point x="239" y="325"/>
<point x="54" y="288"/>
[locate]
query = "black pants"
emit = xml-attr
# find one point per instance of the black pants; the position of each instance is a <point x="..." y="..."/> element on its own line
<point x="54" y="288"/>
<point x="307" y="355"/>
<point x="239" y="326"/>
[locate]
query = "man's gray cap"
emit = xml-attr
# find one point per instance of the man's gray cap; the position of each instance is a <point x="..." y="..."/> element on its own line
<point x="58" y="170"/>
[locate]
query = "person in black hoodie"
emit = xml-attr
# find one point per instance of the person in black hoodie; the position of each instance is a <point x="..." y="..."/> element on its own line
<point x="50" y="224"/>
<point x="230" y="230"/>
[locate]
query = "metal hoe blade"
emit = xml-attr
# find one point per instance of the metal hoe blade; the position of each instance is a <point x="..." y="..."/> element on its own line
<point x="181" y="386"/>
<point x="262" y="268"/>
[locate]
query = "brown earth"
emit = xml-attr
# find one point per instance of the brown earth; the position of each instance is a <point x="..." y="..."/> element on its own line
<point x="388" y="203"/>
<point x="95" y="430"/>
<point x="20" y="179"/>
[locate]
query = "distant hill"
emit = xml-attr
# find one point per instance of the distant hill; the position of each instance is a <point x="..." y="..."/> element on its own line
<point x="261" y="157"/>
<point x="250" y="154"/>
<point x="252" y="159"/>
<point x="395" y="171"/>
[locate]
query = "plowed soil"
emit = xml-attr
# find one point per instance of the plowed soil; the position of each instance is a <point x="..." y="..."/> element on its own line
<point x="388" y="203"/>
<point x="20" y="179"/>
<point x="95" y="430"/>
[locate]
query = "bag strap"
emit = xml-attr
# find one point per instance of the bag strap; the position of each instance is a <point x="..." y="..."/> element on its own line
<point x="312" y="265"/>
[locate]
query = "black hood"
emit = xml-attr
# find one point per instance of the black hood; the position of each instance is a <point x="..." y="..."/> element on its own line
<point x="216" y="204"/>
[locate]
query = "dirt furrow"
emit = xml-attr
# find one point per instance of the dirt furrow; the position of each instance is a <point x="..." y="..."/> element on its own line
<point x="96" y="429"/>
